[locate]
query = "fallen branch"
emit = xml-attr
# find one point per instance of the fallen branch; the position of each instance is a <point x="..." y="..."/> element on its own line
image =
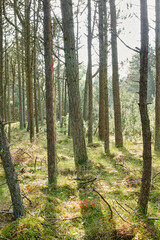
<point x="89" y="181"/>
<point x="32" y="190"/>
<point x="24" y="196"/>
<point x="129" y="207"/>
<point x="125" y="168"/>
<point x="122" y="207"/>
<point x="120" y="215"/>
<point x="24" y="152"/>
<point x="106" y="203"/>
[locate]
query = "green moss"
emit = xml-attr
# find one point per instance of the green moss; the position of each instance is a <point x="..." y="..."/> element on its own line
<point x="26" y="228"/>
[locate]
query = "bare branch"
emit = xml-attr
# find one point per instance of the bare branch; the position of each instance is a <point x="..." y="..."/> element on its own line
<point x="133" y="49"/>
<point x="105" y="202"/>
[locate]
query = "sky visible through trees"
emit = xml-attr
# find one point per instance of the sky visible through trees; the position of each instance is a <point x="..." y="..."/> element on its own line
<point x="129" y="32"/>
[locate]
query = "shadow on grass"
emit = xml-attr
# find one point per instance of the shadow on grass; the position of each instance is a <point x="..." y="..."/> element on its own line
<point x="96" y="224"/>
<point x="67" y="171"/>
<point x="96" y="215"/>
<point x="126" y="164"/>
<point x="130" y="157"/>
<point x="152" y="230"/>
<point x="61" y="192"/>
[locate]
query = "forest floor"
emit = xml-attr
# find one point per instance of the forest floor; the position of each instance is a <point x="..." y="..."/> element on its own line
<point x="101" y="205"/>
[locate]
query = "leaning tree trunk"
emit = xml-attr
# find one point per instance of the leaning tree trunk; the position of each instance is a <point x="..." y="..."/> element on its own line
<point x="157" y="107"/>
<point x="146" y="133"/>
<point x="50" y="119"/>
<point x="115" y="78"/>
<point x="11" y="176"/>
<point x="77" y="130"/>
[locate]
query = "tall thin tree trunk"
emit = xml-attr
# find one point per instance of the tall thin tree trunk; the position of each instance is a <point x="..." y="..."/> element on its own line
<point x="28" y="70"/>
<point x="106" y="133"/>
<point x="5" y="85"/>
<point x="35" y="68"/>
<point x="13" y="90"/>
<point x="69" y="127"/>
<point x="51" y="135"/>
<point x="115" y="77"/>
<point x="9" y="103"/>
<point x="101" y="73"/>
<point x="77" y="32"/>
<point x="59" y="91"/>
<point x="35" y="95"/>
<point x="39" y="100"/>
<point x="1" y="62"/>
<point x="85" y="100"/>
<point x="23" y="85"/>
<point x="90" y="118"/>
<point x="79" y="146"/>
<point x="19" y="70"/>
<point x="65" y="105"/>
<point x="63" y="98"/>
<point x="146" y="133"/>
<point x="157" y="107"/>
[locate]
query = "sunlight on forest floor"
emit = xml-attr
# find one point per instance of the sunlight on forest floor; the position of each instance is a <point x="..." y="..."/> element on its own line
<point x="75" y="210"/>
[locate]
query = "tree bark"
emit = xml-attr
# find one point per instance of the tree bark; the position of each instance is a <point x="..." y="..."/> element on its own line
<point x="157" y="106"/>
<point x="115" y="78"/>
<point x="13" y="89"/>
<point x="11" y="176"/>
<point x="28" y="70"/>
<point x="59" y="91"/>
<point x="85" y="100"/>
<point x="39" y="100"/>
<point x="65" y="105"/>
<point x="101" y="74"/>
<point x="35" y="67"/>
<point x="77" y="130"/>
<point x="23" y="85"/>
<point x="90" y="117"/>
<point x="1" y="61"/>
<point x="51" y="134"/>
<point x="9" y="103"/>
<point x="106" y="132"/>
<point x="19" y="70"/>
<point x="5" y="85"/>
<point x="146" y="133"/>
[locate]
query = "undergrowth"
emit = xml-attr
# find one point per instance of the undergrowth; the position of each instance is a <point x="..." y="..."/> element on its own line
<point x="79" y="208"/>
